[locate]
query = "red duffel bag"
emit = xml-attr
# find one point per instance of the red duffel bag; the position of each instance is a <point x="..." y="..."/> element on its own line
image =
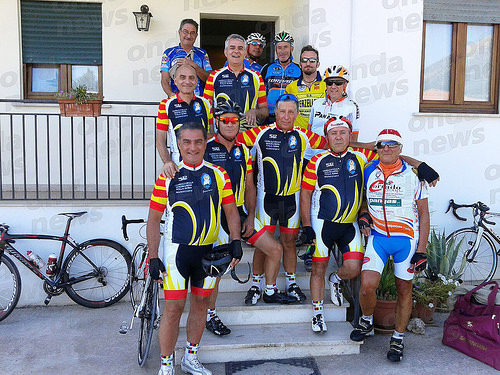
<point x="474" y="329"/>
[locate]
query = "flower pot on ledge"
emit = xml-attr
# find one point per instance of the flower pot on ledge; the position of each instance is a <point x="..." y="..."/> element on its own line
<point x="69" y="108"/>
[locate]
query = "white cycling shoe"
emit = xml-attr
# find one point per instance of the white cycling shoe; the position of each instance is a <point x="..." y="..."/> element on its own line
<point x="191" y="365"/>
<point x="335" y="291"/>
<point x="166" y="370"/>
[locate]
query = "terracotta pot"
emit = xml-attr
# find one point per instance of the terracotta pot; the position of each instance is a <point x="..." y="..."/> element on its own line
<point x="384" y="316"/>
<point x="423" y="312"/>
<point x="69" y="108"/>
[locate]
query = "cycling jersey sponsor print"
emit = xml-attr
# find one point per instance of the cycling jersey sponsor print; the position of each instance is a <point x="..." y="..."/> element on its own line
<point x="390" y="186"/>
<point x="388" y="202"/>
<point x="197" y="108"/>
<point x="292" y="142"/>
<point x="206" y="181"/>
<point x="351" y="166"/>
<point x="245" y="80"/>
<point x="237" y="153"/>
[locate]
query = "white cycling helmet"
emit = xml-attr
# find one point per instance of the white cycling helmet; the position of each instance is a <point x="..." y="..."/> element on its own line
<point x="336" y="71"/>
<point x="257" y="36"/>
<point x="283" y="37"/>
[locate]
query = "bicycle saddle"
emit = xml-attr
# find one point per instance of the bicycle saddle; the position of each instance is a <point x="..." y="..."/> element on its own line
<point x="73" y="214"/>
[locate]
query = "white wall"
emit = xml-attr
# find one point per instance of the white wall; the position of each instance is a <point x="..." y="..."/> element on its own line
<point x="381" y="43"/>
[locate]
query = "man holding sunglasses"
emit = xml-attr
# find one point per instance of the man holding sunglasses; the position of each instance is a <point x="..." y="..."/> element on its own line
<point x="395" y="216"/>
<point x="226" y="152"/>
<point x="185" y="54"/>
<point x="280" y="151"/>
<point x="309" y="86"/>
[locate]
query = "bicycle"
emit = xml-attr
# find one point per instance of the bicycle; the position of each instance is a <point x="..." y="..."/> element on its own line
<point x="476" y="260"/>
<point x="94" y="274"/>
<point x="144" y="294"/>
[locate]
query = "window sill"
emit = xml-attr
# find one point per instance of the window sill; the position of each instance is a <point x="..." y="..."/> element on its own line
<point x="45" y="105"/>
<point x="443" y="114"/>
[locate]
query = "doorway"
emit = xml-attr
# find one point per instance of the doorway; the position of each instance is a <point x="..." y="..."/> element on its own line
<point x="214" y="32"/>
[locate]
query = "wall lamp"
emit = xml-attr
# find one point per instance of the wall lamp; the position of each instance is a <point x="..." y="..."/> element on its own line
<point x="143" y="18"/>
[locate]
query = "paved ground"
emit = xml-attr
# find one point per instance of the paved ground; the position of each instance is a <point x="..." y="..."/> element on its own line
<point x="76" y="340"/>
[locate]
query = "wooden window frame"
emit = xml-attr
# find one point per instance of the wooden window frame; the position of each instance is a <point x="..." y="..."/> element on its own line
<point x="456" y="102"/>
<point x="64" y="80"/>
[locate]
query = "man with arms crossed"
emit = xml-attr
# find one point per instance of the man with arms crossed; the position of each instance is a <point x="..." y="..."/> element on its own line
<point x="395" y="215"/>
<point x="198" y="190"/>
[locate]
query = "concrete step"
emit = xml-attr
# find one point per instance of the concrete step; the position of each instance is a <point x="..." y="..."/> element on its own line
<point x="271" y="341"/>
<point x="233" y="311"/>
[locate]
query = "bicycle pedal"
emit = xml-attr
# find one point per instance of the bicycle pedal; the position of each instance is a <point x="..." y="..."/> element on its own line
<point x="124" y="328"/>
<point x="47" y="299"/>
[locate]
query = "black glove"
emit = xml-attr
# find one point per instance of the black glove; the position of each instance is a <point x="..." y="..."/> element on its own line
<point x="420" y="261"/>
<point x="236" y="250"/>
<point x="309" y="234"/>
<point x="155" y="266"/>
<point x="426" y="173"/>
<point x="364" y="220"/>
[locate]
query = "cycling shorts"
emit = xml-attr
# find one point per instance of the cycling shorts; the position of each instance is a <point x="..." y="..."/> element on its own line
<point x="183" y="265"/>
<point x="379" y="248"/>
<point x="345" y="235"/>
<point x="272" y="209"/>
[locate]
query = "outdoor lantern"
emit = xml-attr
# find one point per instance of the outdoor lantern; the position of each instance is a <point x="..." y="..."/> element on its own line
<point x="142" y="18"/>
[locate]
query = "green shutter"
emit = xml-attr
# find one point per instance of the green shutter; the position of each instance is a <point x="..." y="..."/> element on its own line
<point x="61" y="33"/>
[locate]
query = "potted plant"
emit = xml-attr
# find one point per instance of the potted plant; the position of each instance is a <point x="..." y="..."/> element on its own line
<point x="79" y="102"/>
<point x="384" y="316"/>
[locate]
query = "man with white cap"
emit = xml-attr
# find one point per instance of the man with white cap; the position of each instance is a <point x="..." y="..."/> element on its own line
<point x="395" y="216"/>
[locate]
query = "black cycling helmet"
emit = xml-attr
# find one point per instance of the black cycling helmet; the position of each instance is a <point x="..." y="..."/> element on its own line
<point x="228" y="106"/>
<point x="216" y="263"/>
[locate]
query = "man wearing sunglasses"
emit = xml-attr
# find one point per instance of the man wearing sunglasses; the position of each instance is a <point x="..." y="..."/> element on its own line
<point x="183" y="107"/>
<point x="256" y="42"/>
<point x="280" y="151"/>
<point x="395" y="216"/>
<point x="278" y="74"/>
<point x="234" y="157"/>
<point x="235" y="82"/>
<point x="309" y="86"/>
<point x="185" y="54"/>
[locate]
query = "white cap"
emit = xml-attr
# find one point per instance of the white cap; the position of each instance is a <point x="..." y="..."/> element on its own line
<point x="337" y="122"/>
<point x="389" y="135"/>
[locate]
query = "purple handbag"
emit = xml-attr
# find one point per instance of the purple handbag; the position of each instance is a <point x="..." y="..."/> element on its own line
<point x="474" y="329"/>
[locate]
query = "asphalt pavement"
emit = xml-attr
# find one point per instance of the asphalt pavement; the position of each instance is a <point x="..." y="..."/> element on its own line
<point x="76" y="340"/>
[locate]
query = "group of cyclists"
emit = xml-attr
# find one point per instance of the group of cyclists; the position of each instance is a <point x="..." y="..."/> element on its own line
<point x="297" y="164"/>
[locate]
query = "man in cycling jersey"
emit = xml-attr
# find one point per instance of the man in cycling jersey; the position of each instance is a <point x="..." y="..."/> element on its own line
<point x="280" y="151"/>
<point x="332" y="188"/>
<point x="235" y="82"/>
<point x="185" y="54"/>
<point x="225" y="151"/>
<point x="395" y="215"/>
<point x="256" y="42"/>
<point x="183" y="107"/>
<point x="309" y="86"/>
<point x="193" y="201"/>
<point x="280" y="73"/>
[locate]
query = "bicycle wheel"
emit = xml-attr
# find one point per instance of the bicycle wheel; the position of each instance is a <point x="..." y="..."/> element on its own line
<point x="10" y="287"/>
<point x="478" y="268"/>
<point x="97" y="273"/>
<point x="148" y="317"/>
<point x="139" y="272"/>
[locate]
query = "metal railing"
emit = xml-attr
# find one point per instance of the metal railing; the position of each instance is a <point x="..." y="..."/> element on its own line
<point x="46" y="156"/>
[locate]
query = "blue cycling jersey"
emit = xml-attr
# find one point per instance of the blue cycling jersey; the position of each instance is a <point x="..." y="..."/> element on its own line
<point x="276" y="78"/>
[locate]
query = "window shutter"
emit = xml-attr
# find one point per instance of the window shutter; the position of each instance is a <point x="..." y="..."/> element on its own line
<point x="61" y="33"/>
<point x="471" y="11"/>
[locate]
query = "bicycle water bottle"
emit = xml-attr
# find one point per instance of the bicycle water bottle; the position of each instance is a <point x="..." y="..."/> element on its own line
<point x="51" y="265"/>
<point x="35" y="259"/>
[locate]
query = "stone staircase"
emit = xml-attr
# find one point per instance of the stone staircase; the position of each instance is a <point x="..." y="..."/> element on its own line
<point x="270" y="331"/>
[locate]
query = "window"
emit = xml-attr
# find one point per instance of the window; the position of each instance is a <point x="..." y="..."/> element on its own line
<point x="460" y="60"/>
<point x="62" y="47"/>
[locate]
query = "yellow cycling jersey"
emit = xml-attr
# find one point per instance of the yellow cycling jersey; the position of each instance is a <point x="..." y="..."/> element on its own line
<point x="306" y="96"/>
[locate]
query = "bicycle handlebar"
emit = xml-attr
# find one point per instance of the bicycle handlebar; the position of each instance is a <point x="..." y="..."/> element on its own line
<point x="479" y="206"/>
<point x="126" y="222"/>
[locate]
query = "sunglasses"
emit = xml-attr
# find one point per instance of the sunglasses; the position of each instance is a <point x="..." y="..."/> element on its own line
<point x="337" y="83"/>
<point x="254" y="43"/>
<point x="287" y="97"/>
<point x="391" y="144"/>
<point x="309" y="59"/>
<point x="229" y="120"/>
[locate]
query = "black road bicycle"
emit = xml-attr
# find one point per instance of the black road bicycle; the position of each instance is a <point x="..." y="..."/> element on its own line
<point x="476" y="259"/>
<point x="94" y="274"/>
<point x="144" y="294"/>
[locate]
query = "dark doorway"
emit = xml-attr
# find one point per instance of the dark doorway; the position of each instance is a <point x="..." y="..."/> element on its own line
<point x="215" y="31"/>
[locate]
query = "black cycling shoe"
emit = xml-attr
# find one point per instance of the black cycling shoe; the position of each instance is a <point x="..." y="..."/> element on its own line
<point x="395" y="353"/>
<point x="308" y="262"/>
<point x="279" y="297"/>
<point x="295" y="292"/>
<point x="363" y="329"/>
<point x="253" y="295"/>
<point x="216" y="326"/>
